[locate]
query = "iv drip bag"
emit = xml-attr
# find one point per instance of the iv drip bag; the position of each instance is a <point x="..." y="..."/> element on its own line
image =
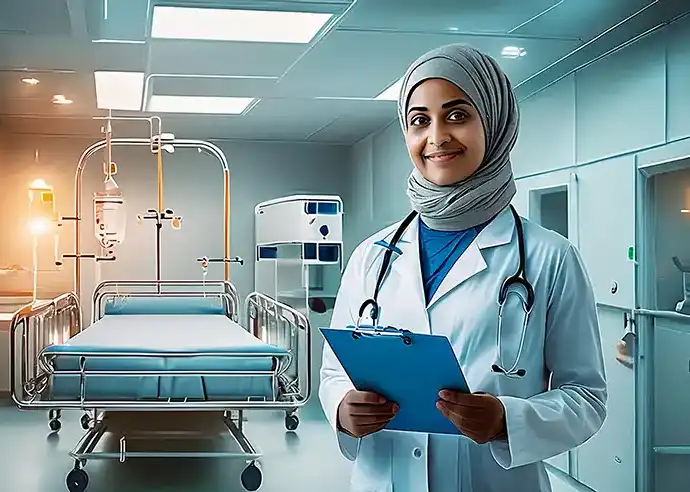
<point x="109" y="215"/>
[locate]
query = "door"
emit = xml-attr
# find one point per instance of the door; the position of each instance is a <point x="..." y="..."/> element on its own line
<point x="607" y="228"/>
<point x="551" y="201"/>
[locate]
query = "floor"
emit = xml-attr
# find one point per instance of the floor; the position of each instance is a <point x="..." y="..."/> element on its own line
<point x="34" y="460"/>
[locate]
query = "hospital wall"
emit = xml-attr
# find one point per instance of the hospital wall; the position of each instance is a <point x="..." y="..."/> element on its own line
<point x="589" y="132"/>
<point x="192" y="188"/>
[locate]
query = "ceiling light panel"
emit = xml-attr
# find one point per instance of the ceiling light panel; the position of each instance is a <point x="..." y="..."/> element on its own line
<point x="199" y="104"/>
<point x="236" y="25"/>
<point x="61" y="100"/>
<point x="119" y="90"/>
<point x="513" y="52"/>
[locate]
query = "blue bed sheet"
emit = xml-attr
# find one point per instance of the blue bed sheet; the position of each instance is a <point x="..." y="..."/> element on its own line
<point x="155" y="342"/>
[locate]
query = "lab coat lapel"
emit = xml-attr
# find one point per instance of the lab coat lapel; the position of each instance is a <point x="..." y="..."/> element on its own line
<point x="498" y="232"/>
<point x="469" y="264"/>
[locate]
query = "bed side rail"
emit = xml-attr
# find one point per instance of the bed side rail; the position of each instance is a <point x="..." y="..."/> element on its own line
<point x="278" y="324"/>
<point x="33" y="328"/>
<point x="121" y="290"/>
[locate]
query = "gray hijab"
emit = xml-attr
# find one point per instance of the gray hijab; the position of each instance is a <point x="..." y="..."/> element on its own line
<point x="490" y="189"/>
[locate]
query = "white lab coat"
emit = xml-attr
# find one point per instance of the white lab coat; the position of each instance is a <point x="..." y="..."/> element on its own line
<point x="558" y="405"/>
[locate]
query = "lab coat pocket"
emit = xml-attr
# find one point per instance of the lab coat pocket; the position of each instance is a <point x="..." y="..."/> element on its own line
<point x="372" y="468"/>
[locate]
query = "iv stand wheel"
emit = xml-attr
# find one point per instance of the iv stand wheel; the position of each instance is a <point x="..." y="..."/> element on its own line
<point x="251" y="477"/>
<point x="291" y="422"/>
<point x="77" y="480"/>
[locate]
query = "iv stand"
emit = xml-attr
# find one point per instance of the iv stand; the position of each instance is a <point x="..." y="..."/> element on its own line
<point x="159" y="217"/>
<point x="160" y="214"/>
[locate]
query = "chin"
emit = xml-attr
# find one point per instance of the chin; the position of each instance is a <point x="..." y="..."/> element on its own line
<point x="447" y="182"/>
<point x="443" y="180"/>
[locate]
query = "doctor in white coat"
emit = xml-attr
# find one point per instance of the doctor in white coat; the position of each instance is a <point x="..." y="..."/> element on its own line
<point x="530" y="400"/>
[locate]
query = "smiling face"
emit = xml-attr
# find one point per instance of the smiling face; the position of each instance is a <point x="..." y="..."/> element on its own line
<point x="445" y="135"/>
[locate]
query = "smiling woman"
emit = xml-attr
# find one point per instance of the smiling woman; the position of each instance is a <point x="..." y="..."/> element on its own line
<point x="535" y="373"/>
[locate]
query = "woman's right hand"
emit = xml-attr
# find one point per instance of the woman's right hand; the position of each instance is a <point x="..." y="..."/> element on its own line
<point x="362" y="413"/>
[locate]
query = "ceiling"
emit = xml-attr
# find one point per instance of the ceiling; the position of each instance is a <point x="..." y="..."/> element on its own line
<point x="321" y="91"/>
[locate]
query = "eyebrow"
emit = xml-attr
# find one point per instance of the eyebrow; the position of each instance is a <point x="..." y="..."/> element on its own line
<point x="447" y="105"/>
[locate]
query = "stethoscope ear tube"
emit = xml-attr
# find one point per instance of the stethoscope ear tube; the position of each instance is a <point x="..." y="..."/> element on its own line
<point x="374" y="313"/>
<point x="385" y="264"/>
<point x="513" y="280"/>
<point x="519" y="278"/>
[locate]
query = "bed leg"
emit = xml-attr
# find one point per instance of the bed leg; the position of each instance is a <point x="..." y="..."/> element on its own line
<point x="54" y="420"/>
<point x="291" y="420"/>
<point x="252" y="476"/>
<point x="85" y="421"/>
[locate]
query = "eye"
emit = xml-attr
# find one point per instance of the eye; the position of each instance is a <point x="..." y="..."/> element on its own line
<point x="418" y="120"/>
<point x="458" y="116"/>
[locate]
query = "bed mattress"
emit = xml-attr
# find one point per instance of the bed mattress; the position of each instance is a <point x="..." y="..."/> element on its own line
<point x="150" y="343"/>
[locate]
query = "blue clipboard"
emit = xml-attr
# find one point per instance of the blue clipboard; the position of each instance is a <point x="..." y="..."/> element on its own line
<point x="404" y="367"/>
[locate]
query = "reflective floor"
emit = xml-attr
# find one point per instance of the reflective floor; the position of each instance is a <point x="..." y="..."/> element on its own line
<point x="33" y="460"/>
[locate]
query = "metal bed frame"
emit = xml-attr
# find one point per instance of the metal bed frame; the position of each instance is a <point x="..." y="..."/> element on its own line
<point x="39" y="325"/>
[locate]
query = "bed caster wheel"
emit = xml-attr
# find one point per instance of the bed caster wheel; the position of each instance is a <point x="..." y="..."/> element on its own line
<point x="85" y="422"/>
<point x="77" y="480"/>
<point x="55" y="425"/>
<point x="291" y="422"/>
<point x="251" y="478"/>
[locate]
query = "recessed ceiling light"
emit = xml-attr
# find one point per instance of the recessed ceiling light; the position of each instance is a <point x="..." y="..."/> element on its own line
<point x="236" y="25"/>
<point x="30" y="81"/>
<point x="513" y="52"/>
<point x="118" y="41"/>
<point x="199" y="104"/>
<point x="392" y="93"/>
<point x="119" y="90"/>
<point x="60" y="99"/>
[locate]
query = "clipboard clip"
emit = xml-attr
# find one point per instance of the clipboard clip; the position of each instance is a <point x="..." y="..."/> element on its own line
<point x="376" y="331"/>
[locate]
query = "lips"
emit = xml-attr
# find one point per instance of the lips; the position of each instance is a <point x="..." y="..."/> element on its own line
<point x="445" y="156"/>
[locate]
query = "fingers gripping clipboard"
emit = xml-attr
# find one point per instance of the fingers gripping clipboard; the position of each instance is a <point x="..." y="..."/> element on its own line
<point x="404" y="367"/>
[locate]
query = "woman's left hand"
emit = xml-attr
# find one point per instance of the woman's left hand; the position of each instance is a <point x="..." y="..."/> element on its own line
<point x="479" y="416"/>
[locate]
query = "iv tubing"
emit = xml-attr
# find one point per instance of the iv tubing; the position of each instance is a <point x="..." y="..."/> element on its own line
<point x="160" y="176"/>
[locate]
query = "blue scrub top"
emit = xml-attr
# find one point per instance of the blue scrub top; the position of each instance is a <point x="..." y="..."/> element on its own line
<point x="439" y="250"/>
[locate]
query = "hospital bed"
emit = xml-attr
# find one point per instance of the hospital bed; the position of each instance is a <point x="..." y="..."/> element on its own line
<point x="160" y="346"/>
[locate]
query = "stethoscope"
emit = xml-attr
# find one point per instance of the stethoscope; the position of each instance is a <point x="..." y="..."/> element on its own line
<point x="517" y="279"/>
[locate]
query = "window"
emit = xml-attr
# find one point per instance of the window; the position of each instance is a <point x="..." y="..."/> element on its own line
<point x="549" y="208"/>
<point x="670" y="209"/>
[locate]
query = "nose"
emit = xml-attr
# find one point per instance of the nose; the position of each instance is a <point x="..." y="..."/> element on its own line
<point x="438" y="134"/>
